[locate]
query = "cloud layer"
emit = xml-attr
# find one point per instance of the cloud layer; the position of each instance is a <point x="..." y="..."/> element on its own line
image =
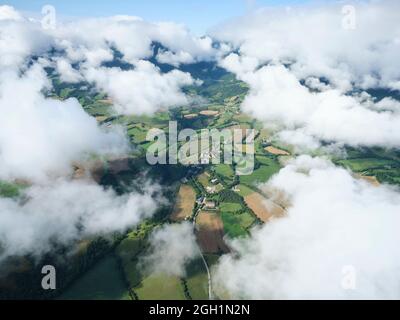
<point x="41" y="137"/>
<point x="80" y="48"/>
<point x="316" y="41"/>
<point x="63" y="211"/>
<point x="277" y="97"/>
<point x="305" y="71"/>
<point x="334" y="221"/>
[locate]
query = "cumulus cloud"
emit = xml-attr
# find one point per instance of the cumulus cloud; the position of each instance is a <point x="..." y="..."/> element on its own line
<point x="302" y="67"/>
<point x="143" y="90"/>
<point x="19" y="40"/>
<point x="315" y="41"/>
<point x="277" y="96"/>
<point x="334" y="221"/>
<point x="133" y="38"/>
<point x="67" y="73"/>
<point x="88" y="43"/>
<point x="41" y="137"/>
<point x="171" y="248"/>
<point x="9" y="13"/>
<point x="63" y="211"/>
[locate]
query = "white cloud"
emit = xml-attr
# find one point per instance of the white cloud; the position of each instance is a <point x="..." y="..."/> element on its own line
<point x="20" y="39"/>
<point x="172" y="247"/>
<point x="175" y="59"/>
<point x="277" y="96"/>
<point x="143" y="90"/>
<point x="9" y="13"/>
<point x="87" y="43"/>
<point x="134" y="38"/>
<point x="67" y="73"/>
<point x="63" y="211"/>
<point x="334" y="221"/>
<point x="277" y="48"/>
<point x="239" y="65"/>
<point x="312" y="39"/>
<point x="39" y="136"/>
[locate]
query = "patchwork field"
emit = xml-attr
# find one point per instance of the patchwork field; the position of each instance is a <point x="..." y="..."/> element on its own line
<point x="359" y="165"/>
<point x="263" y="208"/>
<point x="382" y="165"/>
<point x="184" y="203"/>
<point x="237" y="224"/>
<point x="210" y="233"/>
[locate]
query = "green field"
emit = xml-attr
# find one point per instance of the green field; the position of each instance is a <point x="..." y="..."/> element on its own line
<point x="127" y="252"/>
<point x="225" y="171"/>
<point x="9" y="190"/>
<point x="382" y="163"/>
<point x="230" y="207"/>
<point x="138" y="134"/>
<point x="197" y="280"/>
<point x="103" y="282"/>
<point x="160" y="287"/>
<point x="262" y="174"/>
<point x="267" y="160"/>
<point x="236" y="225"/>
<point x="359" y="165"/>
<point x="244" y="190"/>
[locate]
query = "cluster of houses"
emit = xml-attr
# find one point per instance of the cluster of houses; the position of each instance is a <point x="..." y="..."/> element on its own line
<point x="207" y="204"/>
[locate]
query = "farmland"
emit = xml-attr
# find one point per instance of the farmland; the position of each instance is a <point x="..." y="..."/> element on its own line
<point x="160" y="287"/>
<point x="184" y="204"/>
<point x="210" y="233"/>
<point x="239" y="203"/>
<point x="381" y="164"/>
<point x="264" y="209"/>
<point x="196" y="280"/>
<point x="276" y="151"/>
<point x="237" y="224"/>
<point x="267" y="168"/>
